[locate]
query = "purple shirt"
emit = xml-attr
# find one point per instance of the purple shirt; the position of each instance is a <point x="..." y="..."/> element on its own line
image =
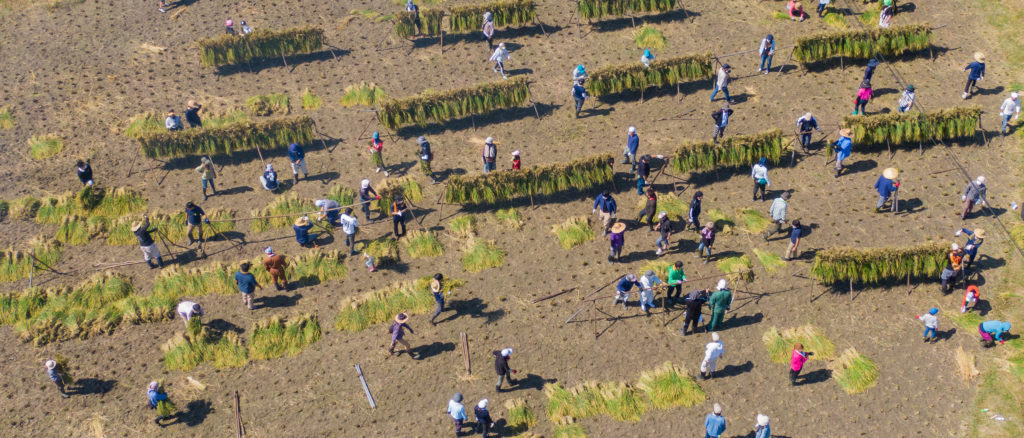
<point x="397" y="330"/>
<point x="617" y="240"/>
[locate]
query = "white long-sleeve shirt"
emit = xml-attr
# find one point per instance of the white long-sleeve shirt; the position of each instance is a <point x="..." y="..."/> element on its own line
<point x="500" y="55"/>
<point x="723" y="78"/>
<point x="1010" y="106"/>
<point x="648" y="283"/>
<point x="714" y="350"/>
<point x="929" y="320"/>
<point x="759" y="172"/>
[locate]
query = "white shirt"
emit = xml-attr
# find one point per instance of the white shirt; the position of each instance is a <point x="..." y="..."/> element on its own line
<point x="714" y="350"/>
<point x="723" y="78"/>
<point x="1010" y="106"/>
<point x="186" y="309"/>
<point x="648" y="283"/>
<point x="929" y="320"/>
<point x="759" y="172"/>
<point x="348" y="224"/>
<point x="500" y="55"/>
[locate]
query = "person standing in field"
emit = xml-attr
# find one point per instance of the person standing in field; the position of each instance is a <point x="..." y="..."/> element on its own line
<point x="759" y="172"/>
<point x="885" y="15"/>
<point x="617" y="239"/>
<point x="192" y="113"/>
<point x="860" y="102"/>
<point x="1010" y="107"/>
<point x="954" y="266"/>
<point x="761" y="428"/>
<point x="499" y="57"/>
<point x="714" y="423"/>
<point x="722" y="83"/>
<point x="676" y="277"/>
<point x="367" y="194"/>
<point x="150" y="252"/>
<point x="977" y="73"/>
<point x="931" y="323"/>
<point x="276" y="265"/>
<point x="693" y="215"/>
<point x="188" y="310"/>
<point x="54" y="373"/>
<point x="797" y="361"/>
<point x="208" y="174"/>
<point x="484" y="423"/>
<point x="720" y="302"/>
<point x="397" y="332"/>
<point x="805" y="125"/>
<point x="906" y="101"/>
<point x="426" y="156"/>
<point x="489" y="154"/>
<point x="843" y="147"/>
<point x="777" y="211"/>
<point x="622" y="289"/>
<point x="349" y="225"/>
<point x="517" y="164"/>
<point x="694" y="304"/>
<point x="886" y="186"/>
<point x="84" y="172"/>
<point x="398" y="211"/>
<point x="415" y="11"/>
<point x="795" y="232"/>
<point x="974" y="240"/>
<point x="457" y="411"/>
<point x="767" y="51"/>
<point x="643" y="172"/>
<point x="606" y="204"/>
<point x="665" y="228"/>
<point x="707" y="239"/>
<point x="435" y="290"/>
<point x="173" y="122"/>
<point x="501" y="367"/>
<point x="712" y="351"/>
<point x="974" y="193"/>
<point x="650" y="207"/>
<point x="297" y="157"/>
<point x="579" y="95"/>
<point x="721" y="118"/>
<point x="246" y="283"/>
<point x="579" y="73"/>
<point x="195" y="217"/>
<point x="488" y="29"/>
<point x="632" y="144"/>
<point x="647" y="284"/>
<point x="376" y="148"/>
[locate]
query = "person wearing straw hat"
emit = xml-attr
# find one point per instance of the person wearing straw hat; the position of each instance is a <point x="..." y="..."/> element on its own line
<point x="712" y="351"/>
<point x="886" y="186"/>
<point x="954" y="266"/>
<point x="1009" y="108"/>
<point x="977" y="73"/>
<point x="173" y="122"/>
<point x="349" y="225"/>
<point x="721" y="118"/>
<point x="647" y="284"/>
<point x="767" y="51"/>
<point x="777" y="211"/>
<point x="606" y="204"/>
<point x="714" y="423"/>
<point x="376" y="148"/>
<point x="761" y="428"/>
<point x="501" y="367"/>
<point x="84" y="172"/>
<point x="208" y="174"/>
<point x="579" y="95"/>
<point x="707" y="239"/>
<point x="367" y="194"/>
<point x="805" y="125"/>
<point x="397" y="331"/>
<point x="488" y="29"/>
<point x="974" y="193"/>
<point x="843" y="147"/>
<point x="931" y="323"/>
<point x="275" y="264"/>
<point x="722" y="83"/>
<point x="974" y="240"/>
<point x="246" y="283"/>
<point x="330" y="211"/>
<point x="517" y="164"/>
<point x="54" y="374"/>
<point x="301" y="227"/>
<point x="720" y="303"/>
<point x="269" y="178"/>
<point x="156" y="394"/>
<point x="759" y="172"/>
<point x="188" y="310"/>
<point x="457" y="411"/>
<point x="906" y="101"/>
<point x="499" y="57"/>
<point x="297" y="158"/>
<point x="489" y="154"/>
<point x="438" y="293"/>
<point x="192" y="113"/>
<point x="195" y="217"/>
<point x="484" y="423"/>
<point x="617" y="240"/>
<point x="647" y="58"/>
<point x="426" y="156"/>
<point x="150" y="252"/>
<point x="398" y="212"/>
<point x="632" y="144"/>
<point x="665" y="229"/>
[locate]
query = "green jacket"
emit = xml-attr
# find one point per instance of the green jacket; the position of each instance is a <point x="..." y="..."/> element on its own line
<point x="720" y="300"/>
<point x="675" y="276"/>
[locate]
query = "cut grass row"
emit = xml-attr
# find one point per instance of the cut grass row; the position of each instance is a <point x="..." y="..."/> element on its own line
<point x="272" y="338"/>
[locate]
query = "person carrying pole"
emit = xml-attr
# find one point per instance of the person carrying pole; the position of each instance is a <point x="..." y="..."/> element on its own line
<point x="843" y="147"/>
<point x="720" y="302"/>
<point x="150" y="252"/>
<point x="276" y="265"/>
<point x="297" y="157"/>
<point x="886" y="187"/>
<point x="805" y="125"/>
<point x="767" y="51"/>
<point x="974" y="193"/>
<point x="759" y="172"/>
<point x="208" y="174"/>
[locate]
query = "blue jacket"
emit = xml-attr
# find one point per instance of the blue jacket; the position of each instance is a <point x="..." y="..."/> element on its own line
<point x="995" y="328"/>
<point x="633" y="143"/>
<point x="271" y="177"/>
<point x="714" y="425"/>
<point x="884" y="186"/>
<point x="155" y="397"/>
<point x="579" y="92"/>
<point x="977" y="70"/>
<point x="765" y="432"/>
<point x="625" y="285"/>
<point x="302" y="233"/>
<point x="844" y="146"/>
<point x="972" y="240"/>
<point x="605" y="205"/>
<point x="295" y="152"/>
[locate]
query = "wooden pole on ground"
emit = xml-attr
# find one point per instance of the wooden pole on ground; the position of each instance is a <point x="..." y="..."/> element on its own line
<point x="593" y="316"/>
<point x="283" y="60"/>
<point x="132" y="166"/>
<point x="465" y="352"/>
<point x="239" y="427"/>
<point x="366" y="389"/>
<point x="562" y="292"/>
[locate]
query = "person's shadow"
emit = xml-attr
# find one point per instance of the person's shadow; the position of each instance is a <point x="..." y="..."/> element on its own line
<point x="532" y="381"/>
<point x="734" y="370"/>
<point x="194" y="414"/>
<point x="812" y="377"/>
<point x="91" y="386"/>
<point x="425" y="351"/>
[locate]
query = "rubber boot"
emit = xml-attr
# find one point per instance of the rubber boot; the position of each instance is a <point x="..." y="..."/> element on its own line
<point x="160" y="262"/>
<point x="151" y="264"/>
<point x="204" y="194"/>
<point x="295" y="178"/>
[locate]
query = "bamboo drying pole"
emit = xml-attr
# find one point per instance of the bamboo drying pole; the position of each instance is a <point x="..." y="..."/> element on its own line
<point x="366" y="389"/>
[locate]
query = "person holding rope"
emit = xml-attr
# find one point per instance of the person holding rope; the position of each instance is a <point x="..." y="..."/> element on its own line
<point x="622" y="289"/>
<point x="301" y="227"/>
<point x="195" y="217"/>
<point x="376" y="148"/>
<point x="886" y="187"/>
<point x="694" y="304"/>
<point x="974" y="193"/>
<point x="974" y="240"/>
<point x="759" y="172"/>
<point x="676" y="278"/>
<point x="367" y="194"/>
<point x="208" y="174"/>
<point x="269" y="178"/>
<point x="330" y="210"/>
<point x="804" y="125"/>
<point x="349" y="225"/>
<point x="843" y="147"/>
<point x="647" y="284"/>
<point x="276" y="265"/>
<point x="977" y="73"/>
<point x="665" y="229"/>
<point x="149" y="250"/>
<point x="720" y="302"/>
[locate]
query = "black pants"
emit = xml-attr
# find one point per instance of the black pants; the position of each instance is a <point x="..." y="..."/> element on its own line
<point x="674" y="290"/>
<point x="350" y="242"/>
<point x="691" y="318"/>
<point x="758" y="187"/>
<point x="483" y="426"/>
<point x="396" y="221"/>
<point x="793" y="375"/>
<point x="970" y="84"/>
<point x="490" y="44"/>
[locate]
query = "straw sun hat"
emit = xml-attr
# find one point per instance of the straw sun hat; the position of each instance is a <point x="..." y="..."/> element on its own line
<point x="302" y="221"/>
<point x="845" y="132"/>
<point x="401" y="318"/>
<point x="978" y="56"/>
<point x="619" y="227"/>
<point x="891" y="173"/>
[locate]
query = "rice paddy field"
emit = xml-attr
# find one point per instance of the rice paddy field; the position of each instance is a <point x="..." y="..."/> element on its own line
<point x="87" y="73"/>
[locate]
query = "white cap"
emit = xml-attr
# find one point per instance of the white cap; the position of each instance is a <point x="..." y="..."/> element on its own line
<point x="722" y="284"/>
<point x="715" y="337"/>
<point x="762" y="420"/>
<point x="662" y="214"/>
<point x="955" y="247"/>
<point x="268" y="250"/>
<point x="319" y="202"/>
<point x="515" y="152"/>
<point x="489" y="140"/>
<point x="718" y="408"/>
<point x="1014" y="95"/>
<point x="51" y="364"/>
<point x="154" y="385"/>
<point x="482" y="404"/>
<point x="506" y="352"/>
<point x="364" y="183"/>
<point x="981" y="180"/>
<point x="632" y="129"/>
<point x="630" y="277"/>
<point x="270" y="166"/>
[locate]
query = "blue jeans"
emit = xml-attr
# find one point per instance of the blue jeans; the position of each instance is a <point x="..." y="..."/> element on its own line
<point x="764" y="58"/>
<point x="640" y="183"/>
<point x="929" y="332"/>
<point x="702" y="248"/>
<point x="1006" y="122"/>
<point x="488" y="166"/>
<point x="723" y="89"/>
<point x="661" y="241"/>
<point x="901" y="109"/>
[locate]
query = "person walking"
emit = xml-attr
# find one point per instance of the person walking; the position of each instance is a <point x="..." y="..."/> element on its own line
<point x="617" y="239"/>
<point x="906" y="101"/>
<point x="276" y="265"/>
<point x="622" y="289"/>
<point x="822" y="4"/>
<point x="860" y="102"/>
<point x="579" y="95"/>
<point x="426" y="156"/>
<point x="457" y="411"/>
<point x="376" y="149"/>
<point x="977" y="73"/>
<point x="269" y="178"/>
<point x="632" y="144"/>
<point x="694" y="305"/>
<point x="886" y="186"/>
<point x="712" y="351"/>
<point x="869" y="71"/>
<point x="397" y="332"/>
<point x="693" y="215"/>
<point x="761" y="428"/>
<point x="971" y="297"/>
<point x="367" y="194"/>
<point x="647" y="284"/>
<point x="150" y="253"/>
<point x="501" y="367"/>
<point x="246" y="283"/>
<point x="767" y="51"/>
<point x="647" y="58"/>
<point x="931" y="323"/>
<point x="722" y="83"/>
<point x="843" y="147"/>
<point x="1010" y="107"/>
<point x="54" y="373"/>
<point x="173" y="122"/>
<point x="301" y="227"/>
<point x="192" y="113"/>
<point x="707" y="239"/>
<point x="777" y="211"/>
<point x="676" y="278"/>
<point x="954" y="266"/>
<point x="208" y="174"/>
<point x="438" y="293"/>
<point x="992" y="331"/>
<point x="665" y="228"/>
<point x="157" y="397"/>
<point x="84" y="172"/>
<point x="605" y="203"/>
<point x="578" y="73"/>
<point x="805" y="125"/>
<point x="398" y="211"/>
<point x="797" y="361"/>
<point x="297" y="158"/>
<point x="974" y="240"/>
<point x="974" y="193"/>
<point x="489" y="154"/>
<point x="650" y="207"/>
<point x="759" y="172"/>
<point x="714" y="423"/>
<point x="795" y="232"/>
<point x="484" y="423"/>
<point x="488" y="29"/>
<point x="499" y="57"/>
<point x="643" y="173"/>
<point x="720" y="302"/>
<point x="517" y="163"/>
<point x="330" y="211"/>
<point x="721" y="118"/>
<point x="349" y="225"/>
<point x="188" y="310"/>
<point x="195" y="217"/>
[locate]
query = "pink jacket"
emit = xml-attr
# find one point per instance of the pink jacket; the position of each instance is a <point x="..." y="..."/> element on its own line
<point x="864" y="94"/>
<point x="798" y="360"/>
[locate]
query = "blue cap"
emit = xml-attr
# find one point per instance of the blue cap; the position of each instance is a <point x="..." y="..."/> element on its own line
<point x="579" y="68"/>
<point x="934" y="310"/>
<point x="762" y="161"/>
<point x="376" y="135"/>
<point x="647" y="53"/>
<point x="769" y="37"/>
